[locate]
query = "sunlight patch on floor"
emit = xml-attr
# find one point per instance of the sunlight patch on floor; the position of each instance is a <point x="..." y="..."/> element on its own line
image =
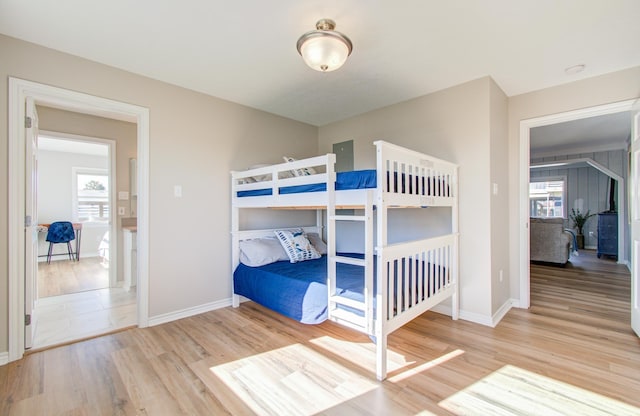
<point x="426" y="366"/>
<point x="293" y="380"/>
<point x="362" y="354"/>
<point x="514" y="391"/>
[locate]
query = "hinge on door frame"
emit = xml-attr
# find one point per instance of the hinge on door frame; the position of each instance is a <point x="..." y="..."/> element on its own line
<point x="27" y="122"/>
<point x="27" y="220"/>
<point x="27" y="320"/>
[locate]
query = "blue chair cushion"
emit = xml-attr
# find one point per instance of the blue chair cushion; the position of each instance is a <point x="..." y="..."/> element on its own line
<point x="61" y="232"/>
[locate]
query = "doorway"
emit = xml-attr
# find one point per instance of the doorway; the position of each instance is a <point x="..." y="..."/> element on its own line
<point x="22" y="92"/>
<point x="76" y="183"/>
<point x="524" y="162"/>
<point x="77" y="296"/>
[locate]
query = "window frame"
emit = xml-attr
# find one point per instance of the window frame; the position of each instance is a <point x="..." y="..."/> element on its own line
<point x="560" y="178"/>
<point x="75" y="171"/>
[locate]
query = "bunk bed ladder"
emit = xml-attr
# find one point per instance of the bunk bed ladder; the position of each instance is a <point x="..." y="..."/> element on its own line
<point x="356" y="314"/>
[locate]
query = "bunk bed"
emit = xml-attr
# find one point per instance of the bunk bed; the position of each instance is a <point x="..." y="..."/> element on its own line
<point x="376" y="291"/>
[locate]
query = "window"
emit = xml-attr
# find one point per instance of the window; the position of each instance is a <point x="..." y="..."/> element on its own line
<point x="91" y="195"/>
<point x="547" y="198"/>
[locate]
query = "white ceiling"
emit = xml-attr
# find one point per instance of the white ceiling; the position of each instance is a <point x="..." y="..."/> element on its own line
<point x="244" y="51"/>
<point x="56" y="144"/>
<point x="600" y="133"/>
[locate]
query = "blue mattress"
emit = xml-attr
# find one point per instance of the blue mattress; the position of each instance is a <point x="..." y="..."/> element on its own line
<point x="357" y="179"/>
<point x="361" y="179"/>
<point x="299" y="290"/>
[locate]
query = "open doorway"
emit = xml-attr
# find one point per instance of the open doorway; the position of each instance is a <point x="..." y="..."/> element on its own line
<point x="78" y="294"/>
<point x="526" y="127"/>
<point x="23" y="97"/>
<point x="75" y="180"/>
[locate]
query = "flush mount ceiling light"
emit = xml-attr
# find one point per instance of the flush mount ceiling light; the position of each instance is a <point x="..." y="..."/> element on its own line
<point x="324" y="49"/>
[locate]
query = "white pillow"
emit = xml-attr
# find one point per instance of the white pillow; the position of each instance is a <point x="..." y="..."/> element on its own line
<point x="296" y="245"/>
<point x="301" y="171"/>
<point x="246" y="180"/>
<point x="317" y="242"/>
<point x="260" y="178"/>
<point x="261" y="251"/>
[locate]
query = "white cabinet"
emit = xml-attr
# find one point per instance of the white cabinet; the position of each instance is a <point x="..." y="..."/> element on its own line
<point x="130" y="259"/>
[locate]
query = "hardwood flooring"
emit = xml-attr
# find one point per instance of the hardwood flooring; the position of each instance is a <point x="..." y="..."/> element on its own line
<point x="76" y="303"/>
<point x="77" y="316"/>
<point x="62" y="277"/>
<point x="571" y="353"/>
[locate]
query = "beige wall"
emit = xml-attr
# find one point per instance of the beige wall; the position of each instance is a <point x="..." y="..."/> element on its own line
<point x="452" y="124"/>
<point x="605" y="89"/>
<point x="499" y="201"/>
<point x="195" y="140"/>
<point x="123" y="133"/>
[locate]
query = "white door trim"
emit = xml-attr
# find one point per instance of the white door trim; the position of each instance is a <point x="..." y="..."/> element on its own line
<point x="82" y="103"/>
<point x="523" y="211"/>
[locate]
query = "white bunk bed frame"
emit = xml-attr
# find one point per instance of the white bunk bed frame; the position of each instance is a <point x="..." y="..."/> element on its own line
<point x="435" y="183"/>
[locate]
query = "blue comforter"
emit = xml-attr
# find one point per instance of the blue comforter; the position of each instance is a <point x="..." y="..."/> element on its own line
<point x="297" y="290"/>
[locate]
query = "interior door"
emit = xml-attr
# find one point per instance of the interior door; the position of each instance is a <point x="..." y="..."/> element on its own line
<point x="31" y="221"/>
<point x="635" y="217"/>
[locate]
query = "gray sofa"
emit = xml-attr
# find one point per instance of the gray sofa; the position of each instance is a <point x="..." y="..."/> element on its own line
<point x="549" y="242"/>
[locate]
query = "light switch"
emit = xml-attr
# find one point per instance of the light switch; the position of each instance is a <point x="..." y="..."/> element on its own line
<point x="123" y="196"/>
<point x="177" y="191"/>
<point x="121" y="211"/>
<point x="495" y="189"/>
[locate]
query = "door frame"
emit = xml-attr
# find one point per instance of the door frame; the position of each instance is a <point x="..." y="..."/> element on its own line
<point x="524" y="159"/>
<point x="19" y="90"/>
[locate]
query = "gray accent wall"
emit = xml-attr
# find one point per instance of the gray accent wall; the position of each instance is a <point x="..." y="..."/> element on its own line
<point x="587" y="187"/>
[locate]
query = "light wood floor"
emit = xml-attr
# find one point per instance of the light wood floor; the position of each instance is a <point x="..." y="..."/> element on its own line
<point x="76" y="303"/>
<point x="572" y="353"/>
<point x="62" y="277"/>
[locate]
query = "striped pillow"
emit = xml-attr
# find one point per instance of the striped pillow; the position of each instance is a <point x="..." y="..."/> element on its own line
<point x="301" y="171"/>
<point x="297" y="245"/>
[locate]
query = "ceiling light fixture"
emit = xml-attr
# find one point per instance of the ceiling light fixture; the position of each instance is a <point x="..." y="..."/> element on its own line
<point x="324" y="49"/>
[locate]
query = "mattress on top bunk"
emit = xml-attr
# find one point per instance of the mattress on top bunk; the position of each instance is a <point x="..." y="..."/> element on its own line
<point x="357" y="179"/>
<point x="299" y="290"/>
<point x="364" y="179"/>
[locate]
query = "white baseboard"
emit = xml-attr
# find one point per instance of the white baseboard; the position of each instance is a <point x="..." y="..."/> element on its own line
<point x="185" y="313"/>
<point x="442" y="309"/>
<point x="83" y="255"/>
<point x="464" y="315"/>
<point x="476" y="318"/>
<point x="4" y="358"/>
<point x="501" y="312"/>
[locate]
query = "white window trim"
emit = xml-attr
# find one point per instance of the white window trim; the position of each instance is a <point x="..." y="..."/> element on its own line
<point x="564" y="191"/>
<point x="75" y="170"/>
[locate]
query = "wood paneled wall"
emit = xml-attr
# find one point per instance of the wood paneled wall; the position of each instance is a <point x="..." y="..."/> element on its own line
<point x="587" y="184"/>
